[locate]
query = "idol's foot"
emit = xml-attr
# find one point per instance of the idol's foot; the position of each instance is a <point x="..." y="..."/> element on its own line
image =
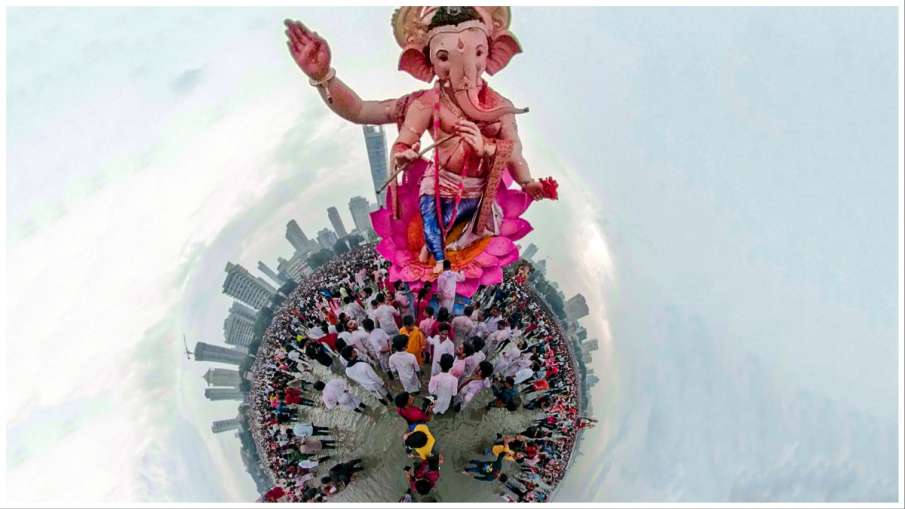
<point x="423" y="256"/>
<point x="438" y="268"/>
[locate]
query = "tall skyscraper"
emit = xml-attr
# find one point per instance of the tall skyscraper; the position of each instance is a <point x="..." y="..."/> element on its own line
<point x="251" y="290"/>
<point x="327" y="238"/>
<point x="215" y="353"/>
<point x="376" y="143"/>
<point x="296" y="268"/>
<point x="222" y="377"/>
<point x="221" y="393"/>
<point x="276" y="278"/>
<point x="225" y="425"/>
<point x="239" y="326"/>
<point x="576" y="307"/>
<point x="297" y="237"/>
<point x="358" y="207"/>
<point x="529" y="252"/>
<point x="337" y="222"/>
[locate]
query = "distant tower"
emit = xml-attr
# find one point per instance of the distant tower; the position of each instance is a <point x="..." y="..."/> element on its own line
<point x="576" y="307"/>
<point x="336" y="221"/>
<point x="251" y="290"/>
<point x="222" y="377"/>
<point x="215" y="353"/>
<point x="225" y="425"/>
<point x="529" y="252"/>
<point x="297" y="237"/>
<point x="239" y="326"/>
<point x="541" y="267"/>
<point x="326" y="238"/>
<point x="358" y="207"/>
<point x="295" y="268"/>
<point x="221" y="393"/>
<point x="376" y="143"/>
<point x="276" y="278"/>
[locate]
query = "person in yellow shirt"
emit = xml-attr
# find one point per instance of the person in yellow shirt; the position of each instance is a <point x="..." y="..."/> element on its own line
<point x="417" y="344"/>
<point x="421" y="441"/>
<point x="503" y="447"/>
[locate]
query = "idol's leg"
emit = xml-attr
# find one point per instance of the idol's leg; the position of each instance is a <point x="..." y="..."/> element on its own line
<point x="467" y="207"/>
<point x="433" y="237"/>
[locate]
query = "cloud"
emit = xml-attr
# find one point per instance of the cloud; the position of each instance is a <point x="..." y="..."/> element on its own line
<point x="186" y="81"/>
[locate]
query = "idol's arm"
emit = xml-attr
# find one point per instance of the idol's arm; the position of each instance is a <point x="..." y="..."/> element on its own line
<point x="343" y="101"/>
<point x="417" y="119"/>
<point x="518" y="167"/>
<point x="312" y="54"/>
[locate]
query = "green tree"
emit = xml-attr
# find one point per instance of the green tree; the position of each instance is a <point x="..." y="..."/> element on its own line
<point x="316" y="260"/>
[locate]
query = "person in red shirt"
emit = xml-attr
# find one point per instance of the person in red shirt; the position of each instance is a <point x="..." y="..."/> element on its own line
<point x="275" y="494"/>
<point x="425" y="475"/>
<point x="329" y="338"/>
<point x="405" y="408"/>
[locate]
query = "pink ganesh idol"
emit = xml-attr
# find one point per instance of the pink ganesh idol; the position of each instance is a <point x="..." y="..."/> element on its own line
<point x="457" y="205"/>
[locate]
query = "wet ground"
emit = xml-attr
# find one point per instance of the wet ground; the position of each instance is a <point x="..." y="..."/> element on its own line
<point x="377" y="438"/>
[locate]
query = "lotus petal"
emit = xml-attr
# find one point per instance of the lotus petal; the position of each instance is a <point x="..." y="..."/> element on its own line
<point x="515" y="228"/>
<point x="500" y="246"/>
<point x="492" y="276"/>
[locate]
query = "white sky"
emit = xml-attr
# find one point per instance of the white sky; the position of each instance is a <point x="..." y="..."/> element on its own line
<point x="729" y="194"/>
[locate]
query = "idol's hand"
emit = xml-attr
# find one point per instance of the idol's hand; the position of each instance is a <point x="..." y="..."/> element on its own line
<point x="534" y="189"/>
<point x="471" y="134"/>
<point x="309" y="50"/>
<point x="404" y="157"/>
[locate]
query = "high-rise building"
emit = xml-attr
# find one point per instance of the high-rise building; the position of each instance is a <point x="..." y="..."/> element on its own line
<point x="576" y="307"/>
<point x="590" y="346"/>
<point x="238" y="330"/>
<point x="359" y="208"/>
<point x="221" y="393"/>
<point x="327" y="238"/>
<point x="225" y="425"/>
<point x="529" y="252"/>
<point x="276" y="278"/>
<point x="222" y="377"/>
<point x="337" y="222"/>
<point x="216" y="353"/>
<point x="376" y="143"/>
<point x="251" y="290"/>
<point x="296" y="268"/>
<point x="541" y="267"/>
<point x="298" y="239"/>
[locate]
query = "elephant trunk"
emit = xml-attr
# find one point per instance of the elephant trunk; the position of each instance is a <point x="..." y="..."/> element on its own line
<point x="465" y="85"/>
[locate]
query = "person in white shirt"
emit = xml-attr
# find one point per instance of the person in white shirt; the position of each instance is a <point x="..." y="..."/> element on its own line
<point x="378" y="344"/>
<point x="443" y="386"/>
<point x="364" y="375"/>
<point x="473" y="355"/>
<point x="463" y="325"/>
<point x="386" y="316"/>
<point x="405" y="365"/>
<point x="500" y="337"/>
<point x="359" y="339"/>
<point x="337" y="392"/>
<point x="440" y="344"/>
<point x="473" y="385"/>
<point x="353" y="309"/>
<point x="446" y="285"/>
<point x="315" y="331"/>
<point x="493" y="319"/>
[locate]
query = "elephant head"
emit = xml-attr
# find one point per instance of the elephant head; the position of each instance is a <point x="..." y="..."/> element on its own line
<point x="457" y="45"/>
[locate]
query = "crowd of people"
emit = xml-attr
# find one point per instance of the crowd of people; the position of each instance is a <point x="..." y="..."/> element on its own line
<point x="422" y="355"/>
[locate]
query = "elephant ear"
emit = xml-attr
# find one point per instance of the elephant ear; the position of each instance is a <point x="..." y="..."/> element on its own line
<point x="503" y="46"/>
<point x="415" y="63"/>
